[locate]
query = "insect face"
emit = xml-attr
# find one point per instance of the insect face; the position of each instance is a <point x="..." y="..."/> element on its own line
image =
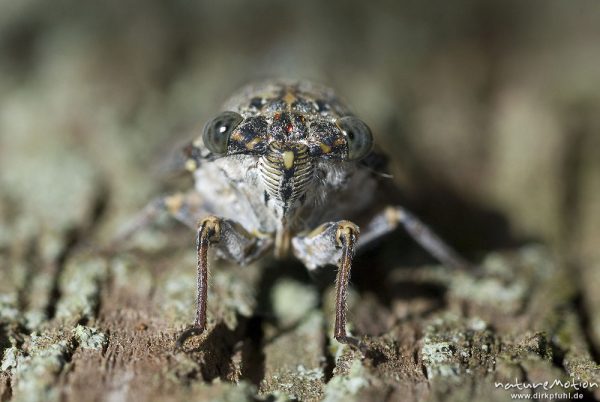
<point x="288" y="145"/>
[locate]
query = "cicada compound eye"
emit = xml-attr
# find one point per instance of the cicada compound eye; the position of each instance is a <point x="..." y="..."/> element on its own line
<point x="358" y="135"/>
<point x="218" y="130"/>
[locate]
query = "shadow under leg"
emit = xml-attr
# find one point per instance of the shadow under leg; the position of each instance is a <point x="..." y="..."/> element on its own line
<point x="333" y="243"/>
<point x="232" y="242"/>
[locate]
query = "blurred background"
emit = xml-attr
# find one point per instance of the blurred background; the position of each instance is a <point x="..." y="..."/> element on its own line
<point x="489" y="109"/>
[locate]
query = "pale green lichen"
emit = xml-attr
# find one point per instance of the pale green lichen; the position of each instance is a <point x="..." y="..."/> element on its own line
<point x="508" y="279"/>
<point x="38" y="295"/>
<point x="346" y="387"/>
<point x="36" y="373"/>
<point x="34" y="318"/>
<point x="80" y="285"/>
<point x="240" y="392"/>
<point x="313" y="374"/>
<point x="438" y="358"/>
<point x="295" y="385"/>
<point x="453" y="347"/>
<point x="150" y="240"/>
<point x="89" y="338"/>
<point x="508" y="297"/>
<point x="540" y="259"/>
<point x="8" y="307"/>
<point x="125" y="271"/>
<point x="292" y="300"/>
<point x="10" y="359"/>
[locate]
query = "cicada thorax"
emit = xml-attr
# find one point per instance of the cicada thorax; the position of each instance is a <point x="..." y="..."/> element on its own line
<point x="287" y="173"/>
